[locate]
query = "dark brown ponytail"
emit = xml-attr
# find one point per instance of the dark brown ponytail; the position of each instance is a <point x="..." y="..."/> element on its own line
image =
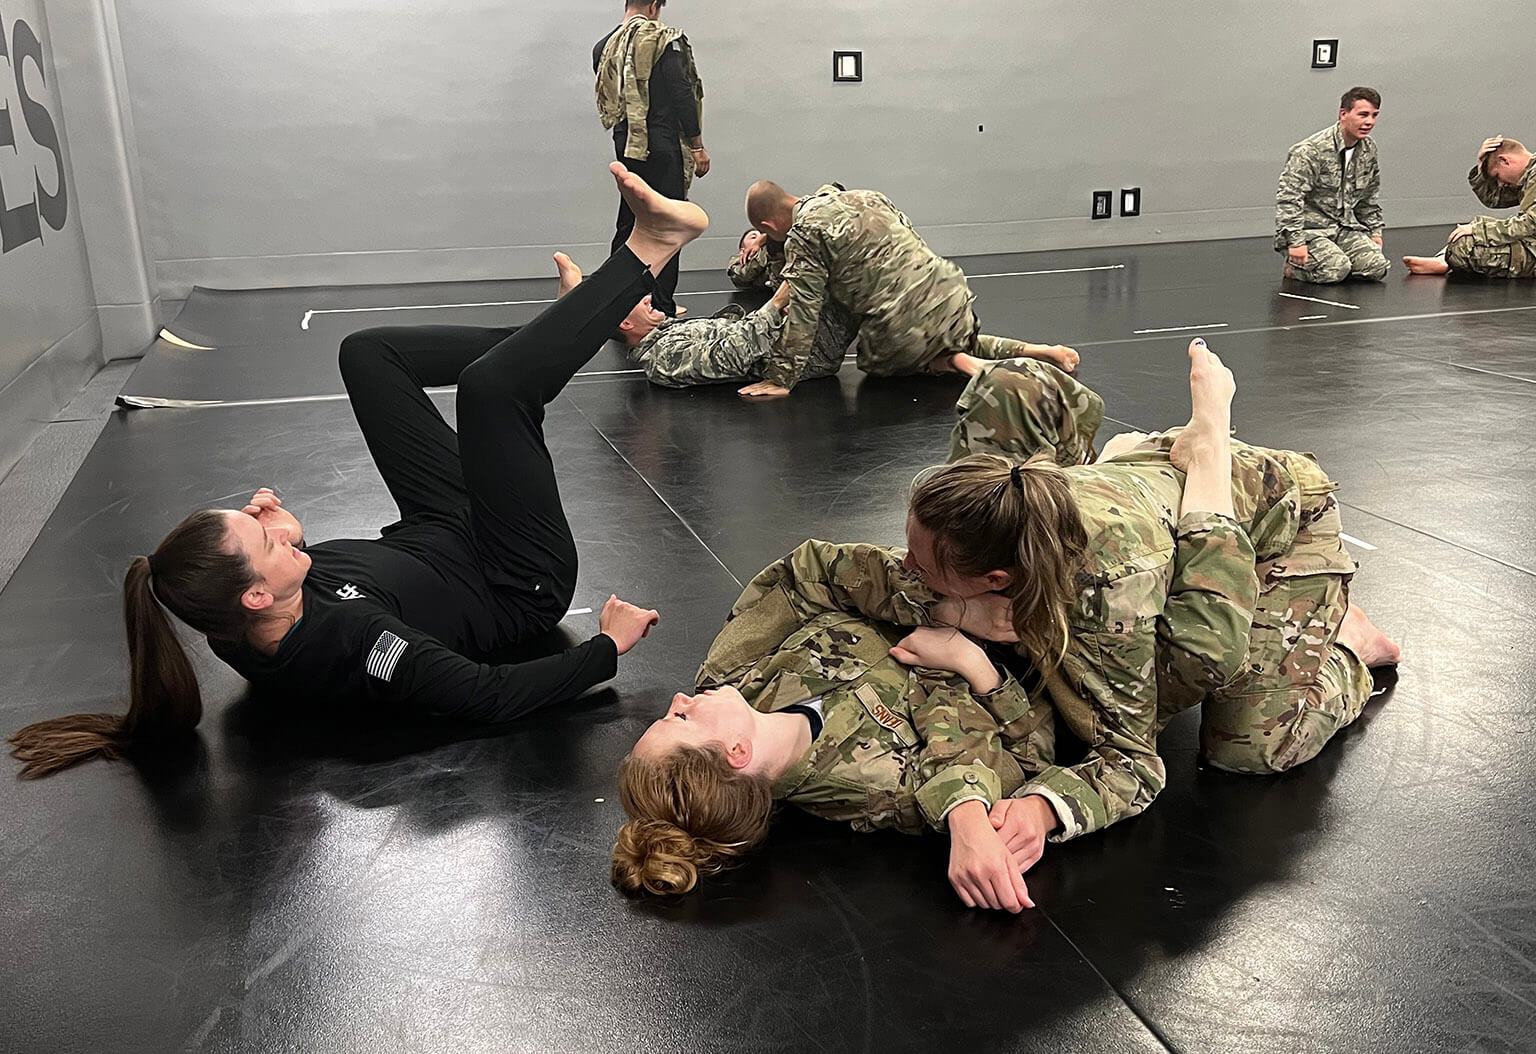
<point x="987" y="513"/>
<point x="201" y="583"/>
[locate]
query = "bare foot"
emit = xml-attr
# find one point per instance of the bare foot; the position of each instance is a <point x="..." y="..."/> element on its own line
<point x="680" y="312"/>
<point x="1062" y="357"/>
<point x="662" y="226"/>
<point x="1288" y="271"/>
<point x="1426" y="265"/>
<point x="1209" y="432"/>
<point x="570" y="274"/>
<point x="1370" y="645"/>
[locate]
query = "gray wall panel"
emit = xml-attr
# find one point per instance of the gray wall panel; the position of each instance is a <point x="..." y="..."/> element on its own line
<point x="292" y="142"/>
<point x="49" y="339"/>
<point x="104" y="160"/>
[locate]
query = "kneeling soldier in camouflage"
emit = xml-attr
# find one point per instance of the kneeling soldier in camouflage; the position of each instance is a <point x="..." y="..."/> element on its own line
<point x="1327" y="218"/>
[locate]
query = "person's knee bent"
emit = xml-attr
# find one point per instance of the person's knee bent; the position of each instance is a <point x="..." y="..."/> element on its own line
<point x="360" y="350"/>
<point x="1330" y="272"/>
<point x="1374" y="269"/>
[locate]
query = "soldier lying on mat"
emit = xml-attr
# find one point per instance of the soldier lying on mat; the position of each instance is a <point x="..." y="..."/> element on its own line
<point x="1180" y="569"/>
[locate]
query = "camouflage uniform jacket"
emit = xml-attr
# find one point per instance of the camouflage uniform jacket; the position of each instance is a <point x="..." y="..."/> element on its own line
<point x="1318" y="198"/>
<point x="764" y="269"/>
<point x="681" y="352"/>
<point x="855" y="247"/>
<point x="1162" y="617"/>
<point x="1519" y="228"/>
<point x="901" y="747"/>
<point x="624" y="79"/>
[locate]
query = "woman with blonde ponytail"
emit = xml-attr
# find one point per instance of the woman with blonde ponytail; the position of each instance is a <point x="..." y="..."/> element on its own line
<point x="481" y="558"/>
<point x="1177" y="570"/>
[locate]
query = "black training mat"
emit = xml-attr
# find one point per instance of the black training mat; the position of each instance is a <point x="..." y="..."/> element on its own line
<point x="288" y="883"/>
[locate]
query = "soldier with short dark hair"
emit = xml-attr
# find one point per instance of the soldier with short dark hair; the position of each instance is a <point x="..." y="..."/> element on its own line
<point x="758" y="263"/>
<point x="914" y="309"/>
<point x="1328" y="220"/>
<point x="1504" y="176"/>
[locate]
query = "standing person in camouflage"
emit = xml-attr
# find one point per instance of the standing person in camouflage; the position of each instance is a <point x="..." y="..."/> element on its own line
<point x="1504" y="176"/>
<point x="914" y="308"/>
<point x="650" y="96"/>
<point x="1328" y="220"/>
<point x="845" y="716"/>
<point x="758" y="263"/>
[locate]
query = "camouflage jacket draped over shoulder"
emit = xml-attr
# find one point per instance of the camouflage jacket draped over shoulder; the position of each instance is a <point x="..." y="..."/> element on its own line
<point x="856" y="247"/>
<point x="901" y="747"/>
<point x="1518" y="228"/>
<point x="764" y="269"/>
<point x="624" y="78"/>
<point x="1318" y="197"/>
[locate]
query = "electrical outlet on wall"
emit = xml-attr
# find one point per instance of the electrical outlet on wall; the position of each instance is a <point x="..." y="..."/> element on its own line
<point x="1103" y="204"/>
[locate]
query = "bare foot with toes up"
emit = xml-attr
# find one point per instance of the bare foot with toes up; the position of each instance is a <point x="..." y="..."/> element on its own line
<point x="570" y="274"/>
<point x="1208" y="436"/>
<point x="662" y="226"/>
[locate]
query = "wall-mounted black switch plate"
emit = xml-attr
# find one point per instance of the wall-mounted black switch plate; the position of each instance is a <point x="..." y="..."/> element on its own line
<point x="1325" y="54"/>
<point x="847" y="65"/>
<point x="1103" y="204"/>
<point x="1130" y="201"/>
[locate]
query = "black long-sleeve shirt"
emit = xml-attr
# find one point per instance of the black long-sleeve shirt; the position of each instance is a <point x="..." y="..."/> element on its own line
<point x="673" y="107"/>
<point x="404" y="619"/>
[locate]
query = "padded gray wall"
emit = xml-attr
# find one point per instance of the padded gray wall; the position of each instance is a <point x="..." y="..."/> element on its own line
<point x="301" y="141"/>
<point x="50" y="340"/>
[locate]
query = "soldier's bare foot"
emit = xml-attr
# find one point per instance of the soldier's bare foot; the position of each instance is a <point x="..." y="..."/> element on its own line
<point x="1209" y="432"/>
<point x="662" y="226"/>
<point x="1288" y="271"/>
<point x="1426" y="265"/>
<point x="570" y="274"/>
<point x="1370" y="645"/>
<point x="1062" y="357"/>
<point x="680" y="311"/>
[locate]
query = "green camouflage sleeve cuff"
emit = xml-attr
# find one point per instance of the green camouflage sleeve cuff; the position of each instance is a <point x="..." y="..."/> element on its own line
<point x="1077" y="806"/>
<point x="954" y="785"/>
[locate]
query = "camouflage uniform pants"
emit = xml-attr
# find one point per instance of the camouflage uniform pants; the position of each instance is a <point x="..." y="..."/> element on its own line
<point x="681" y="359"/>
<point x="1348" y="253"/>
<point x="912" y="348"/>
<point x="1492" y="261"/>
<point x="1298" y="687"/>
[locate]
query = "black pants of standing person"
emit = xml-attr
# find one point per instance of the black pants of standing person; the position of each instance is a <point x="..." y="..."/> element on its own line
<point x="496" y="465"/>
<point x="663" y="171"/>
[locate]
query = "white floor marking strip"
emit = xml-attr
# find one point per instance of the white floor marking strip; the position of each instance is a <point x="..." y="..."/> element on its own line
<point x="310" y="314"/>
<point x="1059" y="270"/>
<point x="1180" y="329"/>
<point x="1316" y="300"/>
<point x="1310" y="318"/>
<point x="1352" y="540"/>
<point x="578" y="611"/>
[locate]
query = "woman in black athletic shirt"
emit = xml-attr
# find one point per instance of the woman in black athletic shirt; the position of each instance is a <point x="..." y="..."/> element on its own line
<point x="481" y="558"/>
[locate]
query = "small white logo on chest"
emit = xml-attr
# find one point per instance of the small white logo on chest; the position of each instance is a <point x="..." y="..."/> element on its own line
<point x="350" y="592"/>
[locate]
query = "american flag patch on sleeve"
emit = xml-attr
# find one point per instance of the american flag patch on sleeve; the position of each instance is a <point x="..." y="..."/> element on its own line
<point x="385" y="655"/>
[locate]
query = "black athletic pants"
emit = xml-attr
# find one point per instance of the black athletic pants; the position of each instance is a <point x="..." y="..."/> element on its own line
<point x="663" y="172"/>
<point x="496" y="465"/>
